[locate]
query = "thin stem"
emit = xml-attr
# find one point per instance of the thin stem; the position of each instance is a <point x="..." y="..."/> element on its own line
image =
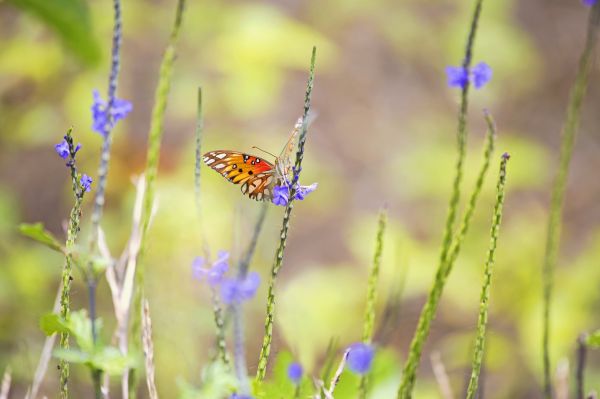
<point x="487" y="281"/>
<point x="569" y="131"/>
<point x="220" y="327"/>
<point x="153" y="154"/>
<point x="369" y="324"/>
<point x="268" y="336"/>
<point x="579" y="372"/>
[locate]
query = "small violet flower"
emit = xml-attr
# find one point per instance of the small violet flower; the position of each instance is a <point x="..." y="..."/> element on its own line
<point x="86" y="183"/>
<point x="62" y="149"/>
<point x="589" y="3"/>
<point x="294" y="373"/>
<point x="460" y="76"/>
<point x="360" y="358"/>
<point x="214" y="274"/>
<point x="103" y="122"/>
<point x="240" y="396"/>
<point x="281" y="194"/>
<point x="234" y="290"/>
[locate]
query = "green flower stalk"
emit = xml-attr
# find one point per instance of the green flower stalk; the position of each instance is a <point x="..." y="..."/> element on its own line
<point x="268" y="336"/>
<point x="369" y="324"/>
<point x="558" y="191"/>
<point x="487" y="281"/>
<point x="153" y="154"/>
<point x="72" y="232"/>
<point x="410" y="369"/>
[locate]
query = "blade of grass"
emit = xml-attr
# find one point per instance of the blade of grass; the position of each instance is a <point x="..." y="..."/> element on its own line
<point x="558" y="190"/>
<point x="487" y="281"/>
<point x="268" y="335"/>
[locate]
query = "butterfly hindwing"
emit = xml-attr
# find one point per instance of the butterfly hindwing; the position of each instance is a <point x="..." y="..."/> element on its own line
<point x="254" y="173"/>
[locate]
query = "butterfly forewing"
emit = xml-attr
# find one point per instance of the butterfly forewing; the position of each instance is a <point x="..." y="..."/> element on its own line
<point x="254" y="174"/>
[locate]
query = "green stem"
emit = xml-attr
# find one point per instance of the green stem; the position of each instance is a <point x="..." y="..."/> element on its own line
<point x="369" y="325"/>
<point x="429" y="309"/>
<point x="153" y="154"/>
<point x="268" y="337"/>
<point x="72" y="232"/>
<point x="558" y="191"/>
<point x="487" y="281"/>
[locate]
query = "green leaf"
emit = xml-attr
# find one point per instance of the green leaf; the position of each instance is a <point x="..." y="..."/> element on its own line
<point x="72" y="355"/>
<point x="593" y="340"/>
<point x="81" y="328"/>
<point x="37" y="232"/>
<point x="70" y="19"/>
<point x="217" y="381"/>
<point x="110" y="360"/>
<point x="51" y="323"/>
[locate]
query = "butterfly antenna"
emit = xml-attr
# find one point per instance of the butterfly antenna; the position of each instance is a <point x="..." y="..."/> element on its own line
<point x="265" y="151"/>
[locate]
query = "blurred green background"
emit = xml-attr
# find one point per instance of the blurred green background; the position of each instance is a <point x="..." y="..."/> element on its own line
<point x="384" y="133"/>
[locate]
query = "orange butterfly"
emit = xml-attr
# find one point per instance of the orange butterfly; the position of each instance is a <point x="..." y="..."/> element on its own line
<point x="257" y="176"/>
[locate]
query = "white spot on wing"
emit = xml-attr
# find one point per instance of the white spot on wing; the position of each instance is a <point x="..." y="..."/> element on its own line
<point x="221" y="155"/>
<point x="219" y="166"/>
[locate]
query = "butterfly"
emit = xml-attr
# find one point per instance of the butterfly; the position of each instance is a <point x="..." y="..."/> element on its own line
<point x="257" y="176"/>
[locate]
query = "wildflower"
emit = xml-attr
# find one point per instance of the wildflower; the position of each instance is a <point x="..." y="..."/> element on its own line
<point x="360" y="358"/>
<point x="294" y="373"/>
<point x="62" y="149"/>
<point x="481" y="74"/>
<point x="86" y="183"/>
<point x="589" y="3"/>
<point x="213" y="274"/>
<point x="457" y="76"/>
<point x="240" y="396"/>
<point x="234" y="290"/>
<point x="460" y="76"/>
<point x="103" y="122"/>
<point x="281" y="194"/>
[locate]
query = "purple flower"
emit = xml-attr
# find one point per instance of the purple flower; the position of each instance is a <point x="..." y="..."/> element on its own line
<point x="460" y="76"/>
<point x="281" y="195"/>
<point x="481" y="74"/>
<point x="234" y="290"/>
<point x="360" y="358"/>
<point x="303" y="191"/>
<point x="214" y="274"/>
<point x="589" y="3"/>
<point x="62" y="149"/>
<point x="103" y="122"/>
<point x="457" y="76"/>
<point x="77" y="148"/>
<point x="294" y="373"/>
<point x="240" y="396"/>
<point x="86" y="183"/>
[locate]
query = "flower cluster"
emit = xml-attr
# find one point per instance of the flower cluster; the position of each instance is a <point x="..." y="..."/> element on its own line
<point x="281" y="194"/>
<point x="233" y="290"/>
<point x="66" y="150"/>
<point x="102" y="120"/>
<point x="294" y="372"/>
<point x="460" y="76"/>
<point x="589" y="3"/>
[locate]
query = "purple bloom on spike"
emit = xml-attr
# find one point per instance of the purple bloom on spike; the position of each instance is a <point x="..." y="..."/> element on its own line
<point x="589" y="3"/>
<point x="213" y="274"/>
<point x="86" y="183"/>
<point x="457" y="76"/>
<point x="294" y="372"/>
<point x="360" y="358"/>
<point x="62" y="149"/>
<point x="103" y="122"/>
<point x="234" y="290"/>
<point x="303" y="191"/>
<point x="77" y="148"/>
<point x="481" y="74"/>
<point x="240" y="396"/>
<point x="281" y="195"/>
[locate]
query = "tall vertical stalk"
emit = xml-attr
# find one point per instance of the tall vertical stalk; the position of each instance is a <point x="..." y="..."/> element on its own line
<point x="151" y="171"/>
<point x="429" y="309"/>
<point x="268" y="336"/>
<point x="487" y="281"/>
<point x="369" y="323"/>
<point x="569" y="130"/>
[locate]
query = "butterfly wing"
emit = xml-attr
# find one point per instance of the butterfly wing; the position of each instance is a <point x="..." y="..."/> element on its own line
<point x="254" y="174"/>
